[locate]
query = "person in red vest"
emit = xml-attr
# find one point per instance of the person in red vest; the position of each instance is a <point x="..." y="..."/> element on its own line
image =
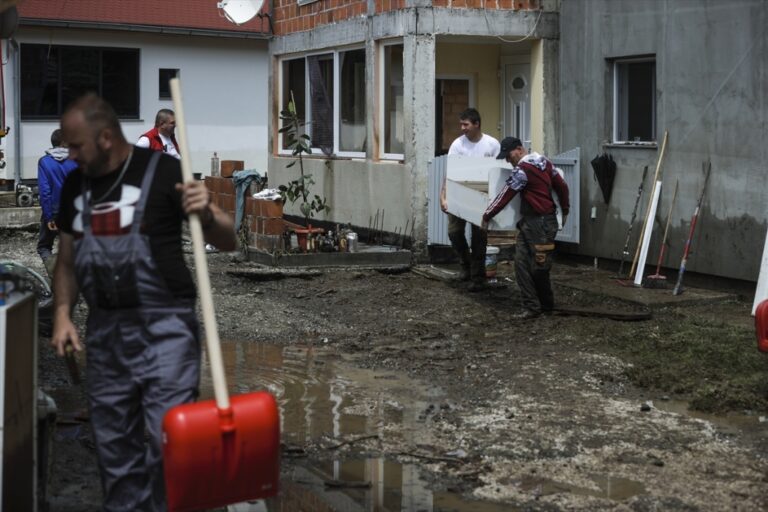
<point x="161" y="137"/>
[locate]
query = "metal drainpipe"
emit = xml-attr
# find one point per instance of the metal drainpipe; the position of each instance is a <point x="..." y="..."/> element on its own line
<point x="16" y="110"/>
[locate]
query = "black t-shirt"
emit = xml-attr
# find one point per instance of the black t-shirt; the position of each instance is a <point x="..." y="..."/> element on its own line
<point x="112" y="214"/>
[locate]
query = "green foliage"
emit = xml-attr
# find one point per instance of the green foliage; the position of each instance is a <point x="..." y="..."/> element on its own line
<point x="299" y="144"/>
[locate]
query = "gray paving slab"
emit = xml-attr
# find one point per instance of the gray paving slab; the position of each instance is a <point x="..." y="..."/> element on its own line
<point x="19" y="217"/>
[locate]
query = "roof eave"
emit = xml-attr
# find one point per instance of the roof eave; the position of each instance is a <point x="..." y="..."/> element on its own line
<point x="154" y="29"/>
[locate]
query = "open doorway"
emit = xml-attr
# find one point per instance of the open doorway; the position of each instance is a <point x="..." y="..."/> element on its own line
<point x="452" y="97"/>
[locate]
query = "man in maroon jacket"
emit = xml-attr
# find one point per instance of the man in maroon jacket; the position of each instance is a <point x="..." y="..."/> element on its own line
<point x="534" y="177"/>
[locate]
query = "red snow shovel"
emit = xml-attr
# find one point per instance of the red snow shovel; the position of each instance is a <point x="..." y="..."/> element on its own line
<point x="761" y="326"/>
<point x="216" y="452"/>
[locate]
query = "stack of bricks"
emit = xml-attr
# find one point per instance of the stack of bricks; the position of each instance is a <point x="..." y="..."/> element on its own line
<point x="222" y="192"/>
<point x="265" y="220"/>
<point x="264" y="217"/>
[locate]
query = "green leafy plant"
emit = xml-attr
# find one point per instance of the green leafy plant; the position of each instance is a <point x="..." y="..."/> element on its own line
<point x="300" y="188"/>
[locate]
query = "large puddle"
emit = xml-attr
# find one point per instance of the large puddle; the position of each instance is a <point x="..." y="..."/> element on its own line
<point x="324" y="399"/>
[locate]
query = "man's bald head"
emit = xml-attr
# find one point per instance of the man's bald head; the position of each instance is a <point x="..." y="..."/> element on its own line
<point x="97" y="113"/>
<point x="165" y="122"/>
<point x="92" y="131"/>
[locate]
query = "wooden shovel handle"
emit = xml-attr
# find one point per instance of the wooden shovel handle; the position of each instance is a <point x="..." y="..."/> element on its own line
<point x="201" y="262"/>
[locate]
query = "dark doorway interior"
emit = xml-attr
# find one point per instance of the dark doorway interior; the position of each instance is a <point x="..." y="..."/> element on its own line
<point x="451" y="99"/>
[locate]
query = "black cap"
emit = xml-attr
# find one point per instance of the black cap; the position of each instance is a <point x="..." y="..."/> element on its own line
<point x="507" y="145"/>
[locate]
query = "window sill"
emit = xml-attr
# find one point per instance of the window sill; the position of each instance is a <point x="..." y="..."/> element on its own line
<point x="631" y="145"/>
<point x="317" y="156"/>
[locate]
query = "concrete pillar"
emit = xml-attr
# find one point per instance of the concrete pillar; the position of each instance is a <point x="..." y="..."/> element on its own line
<point x="419" y="123"/>
<point x="550" y="59"/>
<point x="371" y="93"/>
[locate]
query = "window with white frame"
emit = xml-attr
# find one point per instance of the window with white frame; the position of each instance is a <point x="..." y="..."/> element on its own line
<point x="294" y="84"/>
<point x="320" y="113"/>
<point x="329" y="92"/>
<point x="392" y="105"/>
<point x="352" y="134"/>
<point x="634" y="97"/>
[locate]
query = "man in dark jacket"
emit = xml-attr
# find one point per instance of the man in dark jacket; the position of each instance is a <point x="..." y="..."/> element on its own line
<point x="534" y="177"/>
<point x="52" y="169"/>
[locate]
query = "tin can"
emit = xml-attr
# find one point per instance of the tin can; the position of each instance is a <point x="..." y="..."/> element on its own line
<point x="491" y="255"/>
<point x="351" y="242"/>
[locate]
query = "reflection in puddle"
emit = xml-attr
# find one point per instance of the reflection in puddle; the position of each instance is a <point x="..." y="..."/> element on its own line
<point x="728" y="424"/>
<point x="613" y="488"/>
<point x="321" y="396"/>
<point x="322" y="399"/>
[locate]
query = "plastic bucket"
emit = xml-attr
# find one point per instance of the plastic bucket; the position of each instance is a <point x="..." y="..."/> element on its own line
<point x="491" y="256"/>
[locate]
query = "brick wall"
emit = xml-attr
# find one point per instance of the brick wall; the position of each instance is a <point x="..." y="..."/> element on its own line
<point x="489" y="4"/>
<point x="264" y="218"/>
<point x="289" y="17"/>
<point x="222" y="193"/>
<point x="389" y="5"/>
<point x="266" y="224"/>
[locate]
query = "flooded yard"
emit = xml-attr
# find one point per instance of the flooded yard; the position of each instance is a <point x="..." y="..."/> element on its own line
<point x="399" y="392"/>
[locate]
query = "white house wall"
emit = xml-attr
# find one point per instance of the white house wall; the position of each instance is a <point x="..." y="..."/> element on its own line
<point x="224" y="86"/>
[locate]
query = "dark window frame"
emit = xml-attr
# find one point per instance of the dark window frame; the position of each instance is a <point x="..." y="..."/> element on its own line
<point x="634" y="103"/>
<point x="163" y="86"/>
<point x="105" y="75"/>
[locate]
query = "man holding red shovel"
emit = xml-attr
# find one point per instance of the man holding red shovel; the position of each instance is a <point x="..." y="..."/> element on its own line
<point x="120" y="219"/>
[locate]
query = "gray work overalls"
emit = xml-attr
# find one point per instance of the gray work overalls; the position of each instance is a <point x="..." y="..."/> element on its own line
<point x="143" y="357"/>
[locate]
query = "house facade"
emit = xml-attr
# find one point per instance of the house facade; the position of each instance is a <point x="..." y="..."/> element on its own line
<point x="127" y="52"/>
<point x="380" y="84"/>
<point x="632" y="71"/>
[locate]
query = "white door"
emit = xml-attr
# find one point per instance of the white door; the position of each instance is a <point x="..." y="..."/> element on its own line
<point x="517" y="102"/>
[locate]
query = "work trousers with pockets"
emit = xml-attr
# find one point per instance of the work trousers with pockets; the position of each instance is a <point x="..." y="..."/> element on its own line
<point x="473" y="261"/>
<point x="140" y="363"/>
<point x="45" y="240"/>
<point x="534" y="250"/>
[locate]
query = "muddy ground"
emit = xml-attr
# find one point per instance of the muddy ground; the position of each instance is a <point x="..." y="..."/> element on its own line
<point x="543" y="415"/>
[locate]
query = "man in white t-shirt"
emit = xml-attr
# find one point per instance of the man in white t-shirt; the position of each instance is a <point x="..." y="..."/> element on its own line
<point x="472" y="142"/>
<point x="161" y="137"/>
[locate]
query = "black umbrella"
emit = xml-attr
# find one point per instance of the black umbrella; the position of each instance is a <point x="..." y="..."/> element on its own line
<point x="605" y="172"/>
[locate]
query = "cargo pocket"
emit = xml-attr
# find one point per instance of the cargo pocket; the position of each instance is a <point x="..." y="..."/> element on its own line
<point x="542" y="254"/>
<point x="115" y="286"/>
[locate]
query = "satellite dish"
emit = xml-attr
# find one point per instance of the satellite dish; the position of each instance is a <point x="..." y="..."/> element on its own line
<point x="240" y="11"/>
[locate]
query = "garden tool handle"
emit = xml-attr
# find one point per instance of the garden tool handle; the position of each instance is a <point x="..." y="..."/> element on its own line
<point x="201" y="263"/>
<point x="69" y="357"/>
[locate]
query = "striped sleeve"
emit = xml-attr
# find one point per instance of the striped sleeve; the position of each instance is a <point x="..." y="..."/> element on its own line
<point x="515" y="183"/>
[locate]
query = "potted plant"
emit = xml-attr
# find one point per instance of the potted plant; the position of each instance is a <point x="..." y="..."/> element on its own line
<point x="300" y="188"/>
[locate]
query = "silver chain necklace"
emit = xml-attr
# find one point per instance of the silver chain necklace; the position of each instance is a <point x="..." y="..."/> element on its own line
<point x="115" y="184"/>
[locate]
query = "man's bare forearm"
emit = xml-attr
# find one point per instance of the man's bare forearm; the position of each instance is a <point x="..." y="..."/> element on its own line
<point x="219" y="230"/>
<point x="65" y="287"/>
